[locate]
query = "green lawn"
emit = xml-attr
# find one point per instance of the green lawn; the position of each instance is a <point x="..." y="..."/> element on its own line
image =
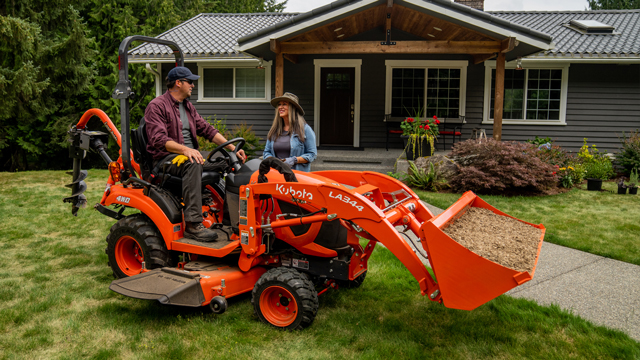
<point x="55" y="303"/>
<point x="601" y="223"/>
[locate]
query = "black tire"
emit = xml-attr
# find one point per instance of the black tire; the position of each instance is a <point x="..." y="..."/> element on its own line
<point x="352" y="284"/>
<point x="130" y="236"/>
<point x="277" y="295"/>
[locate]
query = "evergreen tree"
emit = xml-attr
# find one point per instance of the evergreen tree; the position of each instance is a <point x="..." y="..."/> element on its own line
<point x="59" y="59"/>
<point x="45" y="65"/>
<point x="111" y="21"/>
<point x="613" y="4"/>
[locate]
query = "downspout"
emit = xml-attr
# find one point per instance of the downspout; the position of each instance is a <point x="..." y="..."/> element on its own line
<point x="158" y="80"/>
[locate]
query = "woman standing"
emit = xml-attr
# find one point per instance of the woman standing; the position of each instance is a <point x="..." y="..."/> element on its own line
<point x="290" y="138"/>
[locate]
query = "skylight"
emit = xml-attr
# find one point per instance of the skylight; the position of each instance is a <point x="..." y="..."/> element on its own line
<point x="592" y="26"/>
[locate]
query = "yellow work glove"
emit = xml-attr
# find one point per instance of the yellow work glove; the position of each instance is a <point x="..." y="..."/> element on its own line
<point x="178" y="160"/>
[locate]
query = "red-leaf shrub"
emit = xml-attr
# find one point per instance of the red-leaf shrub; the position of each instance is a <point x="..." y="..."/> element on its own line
<point x="508" y="167"/>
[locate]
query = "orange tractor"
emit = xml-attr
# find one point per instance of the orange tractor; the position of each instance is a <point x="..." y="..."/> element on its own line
<point x="284" y="235"/>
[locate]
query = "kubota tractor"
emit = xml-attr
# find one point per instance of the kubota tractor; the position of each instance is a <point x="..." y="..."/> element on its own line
<point x="284" y="235"/>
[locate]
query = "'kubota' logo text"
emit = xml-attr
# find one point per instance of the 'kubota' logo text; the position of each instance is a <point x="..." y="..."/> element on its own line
<point x="123" y="199"/>
<point x="297" y="194"/>
<point x="346" y="200"/>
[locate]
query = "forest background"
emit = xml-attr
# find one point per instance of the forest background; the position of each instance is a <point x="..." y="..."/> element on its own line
<point x="58" y="58"/>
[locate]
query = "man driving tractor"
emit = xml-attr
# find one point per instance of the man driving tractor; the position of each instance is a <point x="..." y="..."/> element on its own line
<point x="172" y="125"/>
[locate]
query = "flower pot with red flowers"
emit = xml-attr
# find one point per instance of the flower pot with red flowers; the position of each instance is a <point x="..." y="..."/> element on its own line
<point x="419" y="136"/>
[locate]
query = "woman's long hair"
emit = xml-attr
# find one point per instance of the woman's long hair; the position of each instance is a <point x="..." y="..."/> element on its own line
<point x="296" y="124"/>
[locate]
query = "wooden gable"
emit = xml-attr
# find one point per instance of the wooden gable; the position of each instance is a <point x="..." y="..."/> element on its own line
<point x="402" y="18"/>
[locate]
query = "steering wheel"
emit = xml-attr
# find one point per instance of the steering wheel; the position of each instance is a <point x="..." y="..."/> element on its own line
<point x="231" y="155"/>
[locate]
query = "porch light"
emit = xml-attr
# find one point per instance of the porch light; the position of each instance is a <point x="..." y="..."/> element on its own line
<point x="519" y="64"/>
<point x="260" y="64"/>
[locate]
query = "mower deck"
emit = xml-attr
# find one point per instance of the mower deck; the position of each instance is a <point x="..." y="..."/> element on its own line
<point x="194" y="285"/>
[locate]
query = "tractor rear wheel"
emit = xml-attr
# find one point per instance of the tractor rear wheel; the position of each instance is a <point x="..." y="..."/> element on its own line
<point x="131" y="241"/>
<point x="285" y="298"/>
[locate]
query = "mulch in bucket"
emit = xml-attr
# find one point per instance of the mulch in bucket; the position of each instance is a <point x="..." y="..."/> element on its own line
<point x="501" y="239"/>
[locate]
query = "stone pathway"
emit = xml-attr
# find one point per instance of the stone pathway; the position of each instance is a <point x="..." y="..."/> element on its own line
<point x="601" y="290"/>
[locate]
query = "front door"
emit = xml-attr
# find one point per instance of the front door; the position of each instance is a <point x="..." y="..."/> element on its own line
<point x="337" y="95"/>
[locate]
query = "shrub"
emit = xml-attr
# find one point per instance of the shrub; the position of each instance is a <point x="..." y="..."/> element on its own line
<point x="495" y="167"/>
<point x="427" y="180"/>
<point x="539" y="141"/>
<point x="252" y="141"/>
<point x="597" y="165"/>
<point x="571" y="174"/>
<point x="629" y="156"/>
<point x="570" y="171"/>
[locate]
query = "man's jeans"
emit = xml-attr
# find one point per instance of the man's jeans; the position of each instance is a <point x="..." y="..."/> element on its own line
<point x="191" y="175"/>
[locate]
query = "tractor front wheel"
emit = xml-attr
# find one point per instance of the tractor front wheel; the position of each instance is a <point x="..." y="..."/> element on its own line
<point x="131" y="241"/>
<point x="285" y="298"/>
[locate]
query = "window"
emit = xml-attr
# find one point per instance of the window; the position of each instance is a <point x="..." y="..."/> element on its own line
<point x="435" y="86"/>
<point x="534" y="95"/>
<point x="234" y="83"/>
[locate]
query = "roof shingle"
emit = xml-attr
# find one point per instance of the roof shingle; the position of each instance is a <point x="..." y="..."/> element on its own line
<point x="625" y="42"/>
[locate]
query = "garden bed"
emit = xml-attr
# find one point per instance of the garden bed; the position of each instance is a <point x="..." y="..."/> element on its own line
<point x="501" y="239"/>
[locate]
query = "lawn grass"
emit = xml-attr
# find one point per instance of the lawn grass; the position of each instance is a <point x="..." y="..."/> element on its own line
<point x="601" y="223"/>
<point x="55" y="303"/>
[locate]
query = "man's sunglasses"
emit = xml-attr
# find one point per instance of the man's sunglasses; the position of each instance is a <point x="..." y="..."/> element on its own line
<point x="190" y="82"/>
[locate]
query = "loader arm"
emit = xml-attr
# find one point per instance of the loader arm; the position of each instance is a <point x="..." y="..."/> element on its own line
<point x="374" y="205"/>
<point x="371" y="203"/>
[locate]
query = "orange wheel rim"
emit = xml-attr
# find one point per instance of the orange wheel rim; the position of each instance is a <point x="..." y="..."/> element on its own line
<point x="129" y="256"/>
<point x="278" y="306"/>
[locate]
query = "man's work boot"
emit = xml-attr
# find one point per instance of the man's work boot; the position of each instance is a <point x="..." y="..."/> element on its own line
<point x="197" y="231"/>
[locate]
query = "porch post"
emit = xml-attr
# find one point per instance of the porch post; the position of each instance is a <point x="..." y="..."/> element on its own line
<point x="279" y="74"/>
<point x="499" y="97"/>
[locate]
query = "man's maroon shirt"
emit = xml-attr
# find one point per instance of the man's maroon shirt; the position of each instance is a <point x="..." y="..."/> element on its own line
<point x="162" y="118"/>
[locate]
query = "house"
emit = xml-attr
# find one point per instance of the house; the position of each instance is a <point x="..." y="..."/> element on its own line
<point x="567" y="75"/>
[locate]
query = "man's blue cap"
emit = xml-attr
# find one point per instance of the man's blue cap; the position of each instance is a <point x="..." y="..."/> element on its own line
<point x="181" y="72"/>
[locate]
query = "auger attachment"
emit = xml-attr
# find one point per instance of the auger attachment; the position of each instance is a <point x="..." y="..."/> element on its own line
<point x="82" y="140"/>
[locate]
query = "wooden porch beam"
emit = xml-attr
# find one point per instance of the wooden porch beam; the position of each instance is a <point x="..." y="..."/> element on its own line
<point x="499" y="98"/>
<point x="292" y="58"/>
<point x="401" y="47"/>
<point x="275" y="45"/>
<point x="508" y="44"/>
<point x="279" y="74"/>
<point x="477" y="59"/>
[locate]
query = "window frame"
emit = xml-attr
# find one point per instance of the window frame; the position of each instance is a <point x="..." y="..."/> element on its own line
<point x="527" y="65"/>
<point x="239" y="64"/>
<point x="462" y="65"/>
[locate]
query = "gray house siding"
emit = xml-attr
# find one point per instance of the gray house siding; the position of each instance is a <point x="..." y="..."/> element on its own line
<point x="603" y="101"/>
<point x="257" y="115"/>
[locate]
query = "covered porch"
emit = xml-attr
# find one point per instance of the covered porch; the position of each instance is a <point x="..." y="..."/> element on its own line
<point x="353" y="63"/>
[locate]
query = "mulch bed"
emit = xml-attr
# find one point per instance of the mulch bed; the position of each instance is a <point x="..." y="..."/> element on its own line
<point x="500" y="239"/>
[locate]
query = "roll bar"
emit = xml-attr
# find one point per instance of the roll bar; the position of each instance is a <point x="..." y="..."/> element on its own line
<point x="124" y="92"/>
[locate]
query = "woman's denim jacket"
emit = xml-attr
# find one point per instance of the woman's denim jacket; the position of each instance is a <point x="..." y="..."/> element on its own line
<point x="306" y="150"/>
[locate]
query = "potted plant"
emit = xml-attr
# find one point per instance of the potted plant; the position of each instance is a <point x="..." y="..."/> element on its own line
<point x="632" y="185"/>
<point x="622" y="188"/>
<point x="597" y="165"/>
<point x="419" y="136"/>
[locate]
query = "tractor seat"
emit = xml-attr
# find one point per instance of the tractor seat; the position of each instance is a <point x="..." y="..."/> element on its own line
<point x="154" y="175"/>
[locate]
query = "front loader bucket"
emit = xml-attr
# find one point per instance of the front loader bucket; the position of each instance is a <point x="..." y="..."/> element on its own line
<point x="467" y="280"/>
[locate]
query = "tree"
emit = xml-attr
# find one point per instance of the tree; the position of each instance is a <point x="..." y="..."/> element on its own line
<point x="110" y="21"/>
<point x="59" y="58"/>
<point x="613" y="4"/>
<point x="45" y="65"/>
